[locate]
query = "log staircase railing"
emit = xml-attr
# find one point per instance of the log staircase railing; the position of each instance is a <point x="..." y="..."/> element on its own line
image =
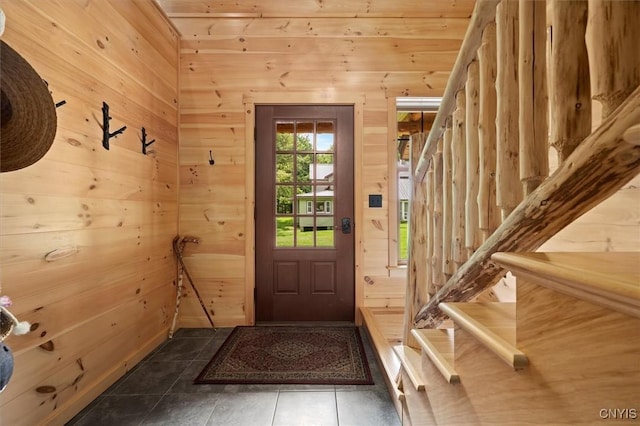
<point x="482" y="173"/>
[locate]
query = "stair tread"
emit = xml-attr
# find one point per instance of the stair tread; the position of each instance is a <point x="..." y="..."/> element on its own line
<point x="412" y="363"/>
<point x="438" y="345"/>
<point x="493" y="324"/>
<point x="499" y="317"/>
<point x="609" y="279"/>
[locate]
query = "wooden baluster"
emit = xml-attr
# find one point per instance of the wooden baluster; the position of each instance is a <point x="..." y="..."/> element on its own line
<point x="509" y="192"/>
<point x="533" y="111"/>
<point x="437" y="278"/>
<point x="447" y="212"/>
<point x="459" y="182"/>
<point x="473" y="238"/>
<point x="569" y="89"/>
<point x="429" y="225"/>
<point x="489" y="213"/>
<point x="417" y="294"/>
<point x="613" y="34"/>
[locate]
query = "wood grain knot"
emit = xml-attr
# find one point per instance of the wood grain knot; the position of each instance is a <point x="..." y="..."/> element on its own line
<point x="45" y="389"/>
<point x="48" y="346"/>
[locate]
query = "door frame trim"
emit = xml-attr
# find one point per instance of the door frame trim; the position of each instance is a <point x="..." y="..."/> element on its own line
<point x="357" y="100"/>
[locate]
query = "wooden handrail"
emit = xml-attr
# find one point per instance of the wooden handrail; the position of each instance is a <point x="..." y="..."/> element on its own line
<point x="602" y="164"/>
<point x="483" y="13"/>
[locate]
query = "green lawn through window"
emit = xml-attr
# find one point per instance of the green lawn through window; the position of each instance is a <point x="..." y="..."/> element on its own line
<point x="284" y="235"/>
<point x="403" y="240"/>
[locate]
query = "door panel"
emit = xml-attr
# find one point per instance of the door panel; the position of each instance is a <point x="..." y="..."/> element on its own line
<point x="304" y="193"/>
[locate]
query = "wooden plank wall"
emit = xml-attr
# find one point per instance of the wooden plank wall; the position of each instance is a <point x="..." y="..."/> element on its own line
<point x="98" y="312"/>
<point x="231" y="50"/>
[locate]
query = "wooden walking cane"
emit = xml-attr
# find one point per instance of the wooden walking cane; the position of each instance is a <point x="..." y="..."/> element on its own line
<point x="178" y="247"/>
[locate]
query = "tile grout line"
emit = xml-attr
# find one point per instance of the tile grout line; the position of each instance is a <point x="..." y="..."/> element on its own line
<point x="335" y="400"/>
<point x="275" y="408"/>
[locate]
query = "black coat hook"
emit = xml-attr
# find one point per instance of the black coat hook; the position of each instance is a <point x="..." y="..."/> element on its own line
<point x="211" y="161"/>
<point x="145" y="144"/>
<point x="105" y="127"/>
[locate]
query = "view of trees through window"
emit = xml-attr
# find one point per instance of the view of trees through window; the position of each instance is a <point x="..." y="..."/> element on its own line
<point x="304" y="180"/>
<point x="285" y="166"/>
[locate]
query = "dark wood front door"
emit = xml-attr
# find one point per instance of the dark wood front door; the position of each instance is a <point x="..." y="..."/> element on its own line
<point x="304" y="213"/>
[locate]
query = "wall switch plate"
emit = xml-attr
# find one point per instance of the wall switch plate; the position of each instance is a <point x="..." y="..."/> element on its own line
<point x="375" y="200"/>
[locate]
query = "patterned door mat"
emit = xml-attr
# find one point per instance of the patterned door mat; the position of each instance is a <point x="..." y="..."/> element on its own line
<point x="289" y="355"/>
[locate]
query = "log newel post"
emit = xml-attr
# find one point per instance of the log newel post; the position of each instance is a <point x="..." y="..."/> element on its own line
<point x="473" y="236"/>
<point x="437" y="276"/>
<point x="429" y="179"/>
<point x="508" y="173"/>
<point x="533" y="111"/>
<point x="489" y="213"/>
<point x="569" y="91"/>
<point x="613" y="37"/>
<point x="459" y="182"/>
<point x="447" y="211"/>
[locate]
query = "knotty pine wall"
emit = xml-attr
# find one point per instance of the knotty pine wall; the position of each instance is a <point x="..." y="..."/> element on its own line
<point x="233" y="57"/>
<point x="101" y="310"/>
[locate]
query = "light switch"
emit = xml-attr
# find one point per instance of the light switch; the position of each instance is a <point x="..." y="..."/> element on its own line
<point x="375" y="200"/>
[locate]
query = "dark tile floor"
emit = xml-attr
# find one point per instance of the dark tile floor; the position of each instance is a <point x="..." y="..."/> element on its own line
<point x="160" y="391"/>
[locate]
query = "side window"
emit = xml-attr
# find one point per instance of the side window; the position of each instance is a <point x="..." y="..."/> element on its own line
<point x="412" y="116"/>
<point x="404" y="192"/>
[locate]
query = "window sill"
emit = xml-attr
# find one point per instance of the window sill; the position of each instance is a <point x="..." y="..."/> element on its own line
<point x="398" y="271"/>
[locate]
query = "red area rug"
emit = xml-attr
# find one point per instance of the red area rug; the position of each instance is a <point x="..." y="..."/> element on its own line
<point x="289" y="355"/>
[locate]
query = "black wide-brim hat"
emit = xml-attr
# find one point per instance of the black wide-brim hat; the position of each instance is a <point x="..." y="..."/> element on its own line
<point x="28" y="121"/>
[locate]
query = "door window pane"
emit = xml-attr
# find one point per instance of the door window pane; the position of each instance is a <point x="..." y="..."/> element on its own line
<point x="325" y="167"/>
<point x="284" y="199"/>
<point x="284" y="168"/>
<point x="325" y="137"/>
<point x="324" y="235"/>
<point x="304" y="136"/>
<point x="284" y="136"/>
<point x="304" y="167"/>
<point x="284" y="231"/>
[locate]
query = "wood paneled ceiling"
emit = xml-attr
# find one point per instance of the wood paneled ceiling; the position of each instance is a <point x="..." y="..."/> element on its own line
<point x="437" y="9"/>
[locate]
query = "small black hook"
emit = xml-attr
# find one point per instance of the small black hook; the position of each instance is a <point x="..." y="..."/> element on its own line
<point x="145" y="144"/>
<point x="211" y="161"/>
